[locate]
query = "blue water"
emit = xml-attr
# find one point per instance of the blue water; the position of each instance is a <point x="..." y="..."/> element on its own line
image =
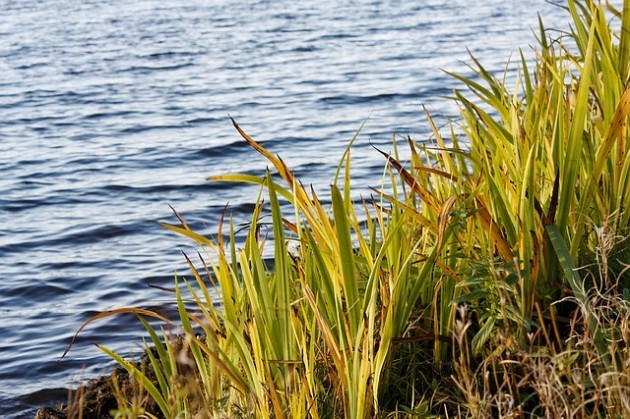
<point x="111" y="110"/>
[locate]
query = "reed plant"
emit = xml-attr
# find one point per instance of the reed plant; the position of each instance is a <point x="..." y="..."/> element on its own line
<point x="393" y="305"/>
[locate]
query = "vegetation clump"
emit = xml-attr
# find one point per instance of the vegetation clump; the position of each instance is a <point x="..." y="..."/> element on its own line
<point x="454" y="290"/>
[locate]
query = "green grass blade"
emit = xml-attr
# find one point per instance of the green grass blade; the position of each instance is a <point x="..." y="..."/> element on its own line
<point x="571" y="167"/>
<point x="255" y="180"/>
<point x="346" y="258"/>
<point x="566" y="262"/>
<point x="142" y="379"/>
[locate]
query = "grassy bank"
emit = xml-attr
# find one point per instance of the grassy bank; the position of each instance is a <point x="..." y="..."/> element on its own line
<point x="457" y="292"/>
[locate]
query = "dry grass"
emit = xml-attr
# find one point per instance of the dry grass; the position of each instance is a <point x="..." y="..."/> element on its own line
<point x="559" y="373"/>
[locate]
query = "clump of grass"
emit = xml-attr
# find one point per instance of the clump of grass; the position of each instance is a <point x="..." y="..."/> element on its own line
<point x="552" y="376"/>
<point x="454" y="293"/>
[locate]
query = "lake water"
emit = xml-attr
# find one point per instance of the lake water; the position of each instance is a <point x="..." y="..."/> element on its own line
<point x="111" y="110"/>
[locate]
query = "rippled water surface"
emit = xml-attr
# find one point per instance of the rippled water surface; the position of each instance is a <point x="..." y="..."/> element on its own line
<point x="112" y="110"/>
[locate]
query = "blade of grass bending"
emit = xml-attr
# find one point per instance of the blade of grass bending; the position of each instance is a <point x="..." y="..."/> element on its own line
<point x="142" y="379"/>
<point x="162" y="356"/>
<point x="275" y="160"/>
<point x="480" y="91"/>
<point x="198" y="238"/>
<point x="281" y="167"/>
<point x="108" y="313"/>
<point x="194" y="348"/>
<point x="324" y="288"/>
<point x="529" y="90"/>
<point x="179" y="217"/>
<point x="410" y="180"/>
<point x="346" y="256"/>
<point x="566" y="262"/>
<point x="571" y="165"/>
<point x="157" y="370"/>
<point x="255" y="180"/>
<point x="202" y="286"/>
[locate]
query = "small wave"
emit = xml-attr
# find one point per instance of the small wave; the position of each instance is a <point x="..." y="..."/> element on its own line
<point x="85" y="236"/>
<point x="306" y="49"/>
<point x="45" y="292"/>
<point x="203" y="120"/>
<point x="153" y="189"/>
<point x="148" y="69"/>
<point x="169" y="54"/>
<point x="355" y="99"/>
<point x="146" y="128"/>
<point x="234" y="148"/>
<point x="24" y="204"/>
<point x="112" y="114"/>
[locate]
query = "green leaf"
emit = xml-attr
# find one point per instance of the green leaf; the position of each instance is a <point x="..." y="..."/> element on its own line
<point x="346" y="258"/>
<point x="482" y="335"/>
<point x="470" y="296"/>
<point x="566" y="262"/>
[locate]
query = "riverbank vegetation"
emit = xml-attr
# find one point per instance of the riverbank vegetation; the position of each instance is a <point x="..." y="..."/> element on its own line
<point x="487" y="277"/>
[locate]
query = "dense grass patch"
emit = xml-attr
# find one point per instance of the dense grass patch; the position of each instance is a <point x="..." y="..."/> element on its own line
<point x="456" y="293"/>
